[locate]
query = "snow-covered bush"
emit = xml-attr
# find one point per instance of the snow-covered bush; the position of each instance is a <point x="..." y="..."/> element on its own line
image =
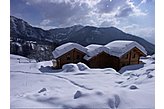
<point x="82" y="66"/>
<point x="110" y="70"/>
<point x="74" y="67"/>
<point x="70" y="68"/>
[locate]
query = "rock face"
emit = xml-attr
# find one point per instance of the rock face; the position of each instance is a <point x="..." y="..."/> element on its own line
<point x="21" y="31"/>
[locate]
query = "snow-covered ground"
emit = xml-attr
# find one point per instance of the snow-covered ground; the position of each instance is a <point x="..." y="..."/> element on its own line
<point x="36" y="85"/>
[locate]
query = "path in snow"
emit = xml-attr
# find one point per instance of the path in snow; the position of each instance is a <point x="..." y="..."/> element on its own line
<point x="82" y="86"/>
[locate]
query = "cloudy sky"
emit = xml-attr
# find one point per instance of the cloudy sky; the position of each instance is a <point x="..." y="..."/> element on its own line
<point x="132" y="16"/>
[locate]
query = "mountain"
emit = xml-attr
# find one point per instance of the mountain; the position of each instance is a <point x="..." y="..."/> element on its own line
<point x="83" y="35"/>
<point x="22" y="30"/>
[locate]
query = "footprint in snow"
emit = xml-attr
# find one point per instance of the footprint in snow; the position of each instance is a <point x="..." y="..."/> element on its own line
<point x="133" y="87"/>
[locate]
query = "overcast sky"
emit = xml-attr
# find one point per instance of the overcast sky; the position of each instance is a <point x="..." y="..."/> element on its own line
<point x="132" y="16"/>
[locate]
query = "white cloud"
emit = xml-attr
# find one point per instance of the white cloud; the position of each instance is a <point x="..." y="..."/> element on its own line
<point x="89" y="2"/>
<point x="135" y="29"/>
<point x="102" y="13"/>
<point x="45" y="22"/>
<point x="136" y="11"/>
<point x="142" y="2"/>
<point x="130" y="27"/>
<point x="27" y="3"/>
<point x="122" y="8"/>
<point x="147" y="33"/>
<point x="86" y="12"/>
<point x="47" y="27"/>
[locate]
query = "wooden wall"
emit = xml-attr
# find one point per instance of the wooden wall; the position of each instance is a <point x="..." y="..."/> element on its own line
<point x="131" y="57"/>
<point x="73" y="56"/>
<point x="104" y="60"/>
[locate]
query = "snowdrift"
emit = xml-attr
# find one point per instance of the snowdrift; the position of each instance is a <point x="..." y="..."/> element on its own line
<point x="77" y="86"/>
<point x="75" y="67"/>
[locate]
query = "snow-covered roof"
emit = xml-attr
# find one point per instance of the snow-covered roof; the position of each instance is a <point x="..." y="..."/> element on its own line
<point x="114" y="48"/>
<point x="59" y="51"/>
<point x="93" y="46"/>
<point x="93" y="50"/>
<point x="120" y="47"/>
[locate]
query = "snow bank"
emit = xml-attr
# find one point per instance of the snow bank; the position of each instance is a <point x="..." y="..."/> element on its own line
<point x="82" y="66"/>
<point x="21" y="59"/>
<point x="17" y="57"/>
<point x="136" y="77"/>
<point x="130" y="67"/>
<point x="75" y="67"/>
<point x="44" y="64"/>
<point x="70" y="68"/>
<point x="84" y="89"/>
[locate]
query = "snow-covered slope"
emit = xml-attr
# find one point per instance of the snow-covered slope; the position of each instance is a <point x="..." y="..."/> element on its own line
<point x="36" y="85"/>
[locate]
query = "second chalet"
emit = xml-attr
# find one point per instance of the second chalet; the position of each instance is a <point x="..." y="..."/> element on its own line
<point x="115" y="54"/>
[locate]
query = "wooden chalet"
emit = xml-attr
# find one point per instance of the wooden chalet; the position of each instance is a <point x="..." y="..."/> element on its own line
<point x="68" y="53"/>
<point x="115" y="54"/>
<point x="98" y="57"/>
<point x="126" y="52"/>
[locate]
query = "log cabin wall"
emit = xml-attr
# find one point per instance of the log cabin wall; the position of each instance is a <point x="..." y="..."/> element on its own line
<point x="114" y="62"/>
<point x="99" y="61"/>
<point x="131" y="57"/>
<point x="73" y="56"/>
<point x="104" y="60"/>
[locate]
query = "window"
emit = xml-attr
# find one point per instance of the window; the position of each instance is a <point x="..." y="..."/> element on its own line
<point x="134" y="55"/>
<point x="68" y="57"/>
